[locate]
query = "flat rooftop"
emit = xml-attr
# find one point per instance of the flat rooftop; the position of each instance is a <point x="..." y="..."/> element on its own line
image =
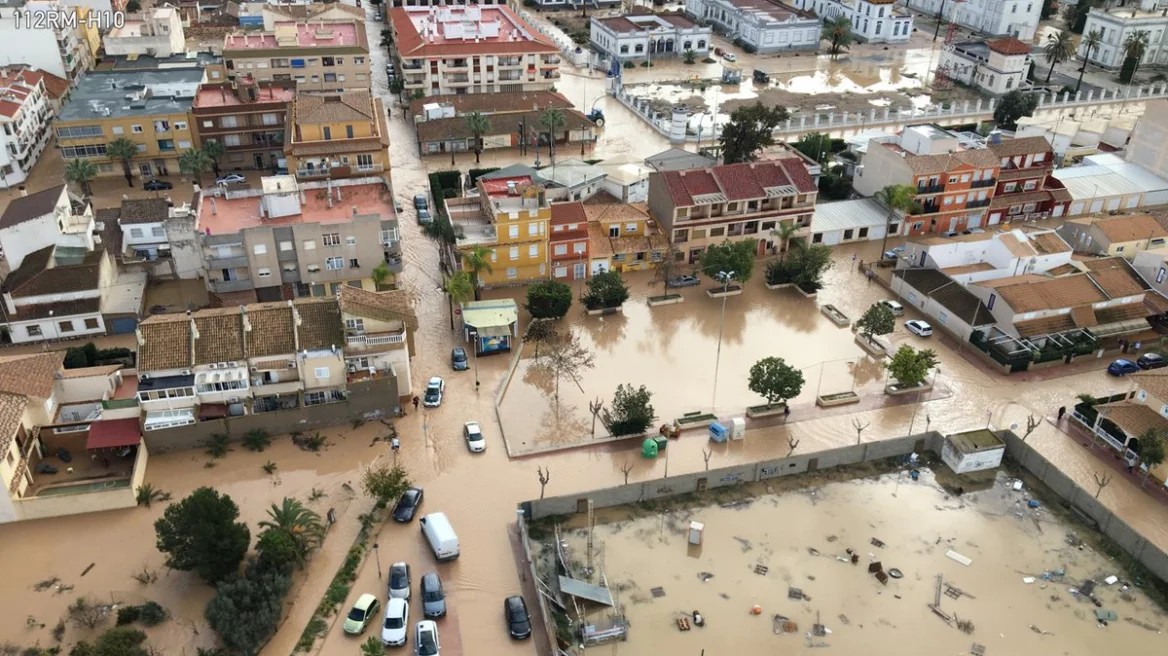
<point x="233" y="215"/>
<point x="975" y="440"/>
<point x="769" y="11"/>
<point x="308" y="35"/>
<point x="172" y="93"/>
<point x="195" y="60"/>
<point x="466" y="30"/>
<point x="224" y="97"/>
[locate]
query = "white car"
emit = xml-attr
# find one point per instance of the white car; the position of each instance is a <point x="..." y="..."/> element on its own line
<point x="920" y="328"/>
<point x="474" y="437"/>
<point x="232" y="178"/>
<point x="435" y="389"/>
<point x="897" y="308"/>
<point x="426" y="639"/>
<point x="729" y="56"/>
<point x="397" y="618"/>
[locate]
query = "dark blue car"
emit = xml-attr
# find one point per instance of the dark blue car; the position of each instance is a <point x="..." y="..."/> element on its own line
<point x="458" y="359"/>
<point x="1122" y="367"/>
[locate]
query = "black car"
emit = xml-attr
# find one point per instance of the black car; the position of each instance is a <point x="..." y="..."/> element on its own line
<point x="154" y="184"/>
<point x="518" y="621"/>
<point x="407" y="505"/>
<point x="1152" y="361"/>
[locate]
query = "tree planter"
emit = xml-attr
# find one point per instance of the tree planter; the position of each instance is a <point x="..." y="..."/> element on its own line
<point x="839" y="398"/>
<point x="872" y="347"/>
<point x="695" y="420"/>
<point x="599" y="311"/>
<point x="779" y="285"/>
<point x="833" y="313"/>
<point x="667" y="299"/>
<point x="806" y="294"/>
<point x="716" y="292"/>
<point x="896" y="389"/>
<point x="757" y="411"/>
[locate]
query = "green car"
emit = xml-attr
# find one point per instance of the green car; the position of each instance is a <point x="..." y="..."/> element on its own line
<point x="364" y="610"/>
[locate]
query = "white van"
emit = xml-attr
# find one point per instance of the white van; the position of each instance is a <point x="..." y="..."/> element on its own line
<point x="440" y="534"/>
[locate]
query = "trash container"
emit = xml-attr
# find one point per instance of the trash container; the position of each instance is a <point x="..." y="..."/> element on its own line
<point x="662" y="442"/>
<point x="649" y="448"/>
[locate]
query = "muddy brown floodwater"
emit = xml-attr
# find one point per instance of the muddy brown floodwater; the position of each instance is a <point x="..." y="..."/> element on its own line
<point x="756" y="548"/>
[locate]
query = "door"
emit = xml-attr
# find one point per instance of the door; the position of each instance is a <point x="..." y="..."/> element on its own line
<point x="953" y="224"/>
<point x="974" y="221"/>
<point x="258" y="159"/>
<point x="1058" y="211"/>
<point x="599" y="266"/>
<point x="580" y="271"/>
<point x="144" y="169"/>
<point x="702" y="483"/>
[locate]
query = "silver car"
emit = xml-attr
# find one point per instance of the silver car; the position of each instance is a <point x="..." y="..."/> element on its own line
<point x="433" y="596"/>
<point x="399" y="581"/>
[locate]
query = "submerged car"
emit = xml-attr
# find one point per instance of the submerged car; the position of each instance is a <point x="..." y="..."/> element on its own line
<point x="359" y="616"/>
<point x="154" y="184"/>
<point x="1122" y="367"/>
<point x="426" y="639"/>
<point x="434" y="391"/>
<point x="407" y="506"/>
<point x="683" y="281"/>
<point x="474" y="437"/>
<point x="518" y="620"/>
<point x="231" y="178"/>
<point x="897" y="308"/>
<point x="399" y="581"/>
<point x="894" y="253"/>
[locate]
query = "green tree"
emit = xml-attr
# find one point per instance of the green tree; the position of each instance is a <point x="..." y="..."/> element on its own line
<point x="554" y="120"/>
<point x="372" y="647"/>
<point x="838" y="33"/>
<point x="214" y="151"/>
<point x="81" y="172"/>
<point x="896" y="198"/>
<point x="194" y="163"/>
<point x="877" y="320"/>
<point x="201" y="534"/>
<point x="548" y="299"/>
<point x="565" y="357"/>
<point x="1059" y="48"/>
<point x="245" y="611"/>
<point x="397" y="87"/>
<point x="478" y="125"/>
<point x="605" y="290"/>
<point x="909" y="366"/>
<point x="385" y="483"/>
<point x="386" y="38"/>
<point x="670" y="267"/>
<point x="632" y="410"/>
<point x="296" y="521"/>
<point x="784" y="231"/>
<point x="133" y="6"/>
<point x="1135" y="46"/>
<point x="382" y="277"/>
<point x="1152" y="451"/>
<point x="689" y="56"/>
<point x="118" y="641"/>
<point x="441" y="230"/>
<point x="1090" y="44"/>
<point x="276" y="549"/>
<point x="123" y="150"/>
<point x="751" y="128"/>
<point x="477" y="261"/>
<point x="1013" y="106"/>
<point x="1076" y="14"/>
<point x="815" y="145"/>
<point x="775" y="380"/>
<point x="735" y="257"/>
<point x="459" y="290"/>
<point x="807" y="265"/>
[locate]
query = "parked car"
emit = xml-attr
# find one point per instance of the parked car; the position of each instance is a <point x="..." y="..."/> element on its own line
<point x="420" y="202"/>
<point x="433" y="596"/>
<point x="518" y="621"/>
<point x="424" y="215"/>
<point x="894" y="253"/>
<point x="397" y="618"/>
<point x="440" y="534"/>
<point x="458" y="360"/>
<point x="729" y="56"/>
<point x="1122" y="367"/>
<point x="897" y="308"/>
<point x="359" y="616"/>
<point x="231" y="178"/>
<point x="474" y="437"/>
<point x="407" y="506"/>
<point x="399" y="581"/>
<point x="973" y="231"/>
<point x="683" y="281"/>
<point x="918" y="327"/>
<point x="1152" y="361"/>
<point x="434" y="391"/>
<point x="379" y="17"/>
<point x="426" y="639"/>
<point x="154" y="184"/>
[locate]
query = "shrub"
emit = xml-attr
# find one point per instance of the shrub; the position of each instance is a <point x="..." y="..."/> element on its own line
<point x="632" y="412"/>
<point x="628" y="64"/>
<point x="877" y="320"/>
<point x="245" y="611"/>
<point x="257" y="439"/>
<point x="775" y="380"/>
<point x="548" y="299"/>
<point x="909" y="366"/>
<point x="605" y="290"/>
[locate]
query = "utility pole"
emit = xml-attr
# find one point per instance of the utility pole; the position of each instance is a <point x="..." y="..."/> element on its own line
<point x="940" y="12"/>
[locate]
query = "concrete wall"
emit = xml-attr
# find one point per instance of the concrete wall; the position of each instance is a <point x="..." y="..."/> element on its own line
<point x="85" y="502"/>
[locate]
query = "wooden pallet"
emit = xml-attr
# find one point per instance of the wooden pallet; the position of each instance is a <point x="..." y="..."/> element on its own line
<point x="683" y="624"/>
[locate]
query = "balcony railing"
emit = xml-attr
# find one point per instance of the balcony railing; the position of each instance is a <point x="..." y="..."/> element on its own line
<point x="281" y="387"/>
<point x="977" y="184"/>
<point x="374" y="340"/>
<point x="977" y="203"/>
<point x="223" y="286"/>
<point x="930" y="189"/>
<point x="234" y="262"/>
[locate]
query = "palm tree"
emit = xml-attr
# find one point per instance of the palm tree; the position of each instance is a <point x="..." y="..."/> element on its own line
<point x="459" y="289"/>
<point x="214" y="151"/>
<point x="554" y="120"/>
<point x="1091" y="43"/>
<point x="123" y="149"/>
<point x="839" y="33"/>
<point x="1134" y="46"/>
<point x="80" y="172"/>
<point x="386" y="38"/>
<point x="297" y="522"/>
<point x="689" y="56"/>
<point x="397" y="87"/>
<point x="1059" y="48"/>
<point x="477" y="261"/>
<point x="382" y="277"/>
<point x="784" y="232"/>
<point x="895" y="197"/>
<point x="478" y="124"/>
<point x="194" y="162"/>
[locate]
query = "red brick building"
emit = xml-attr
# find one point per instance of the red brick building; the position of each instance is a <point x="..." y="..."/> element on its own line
<point x="568" y="242"/>
<point x="1026" y="190"/>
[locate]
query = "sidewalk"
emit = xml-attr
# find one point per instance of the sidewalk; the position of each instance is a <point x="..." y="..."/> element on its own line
<point x="1080" y="436"/>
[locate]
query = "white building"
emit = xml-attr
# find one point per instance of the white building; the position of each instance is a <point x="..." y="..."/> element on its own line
<point x="1117" y="23"/>
<point x="64" y="52"/>
<point x="873" y="21"/>
<point x="1149" y="142"/>
<point x="626" y="179"/>
<point x="24" y="120"/>
<point x="1016" y="18"/>
<point x="1072" y="139"/>
<point x="1105" y="182"/>
<point x="641" y="36"/>
<point x="156" y="33"/>
<point x="765" y="26"/>
<point x="972" y="451"/>
<point x="580" y="179"/>
<point x="45" y="218"/>
<point x="997" y="66"/>
<point x="845" y="221"/>
<point x="989" y="255"/>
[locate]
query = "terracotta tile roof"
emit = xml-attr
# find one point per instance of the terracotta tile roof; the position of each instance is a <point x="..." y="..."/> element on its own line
<point x="1125" y="312"/>
<point x="231" y="299"/>
<point x="11" y="413"/>
<point x="1136" y="227"/>
<point x="86" y="372"/>
<point x="38" y="275"/>
<point x="1022" y="146"/>
<point x="961" y="160"/>
<point x="320" y="323"/>
<point x="1116" y="283"/>
<point x="387" y="306"/>
<point x="496" y="103"/>
<point x="1135" y="418"/>
<point x="27" y="208"/>
<point x="1156" y="302"/>
<point x="737" y="181"/>
<point x="220" y="335"/>
<point x="1063" y="270"/>
<point x="270" y="365"/>
<point x="617" y="212"/>
<point x="62" y="309"/>
<point x="166" y="343"/>
<point x="31" y="375"/>
<point x="347" y="107"/>
<point x="1044" y="326"/>
<point x="272" y="330"/>
<point x="1155" y="382"/>
<point x="565" y="213"/>
<point x="1084" y="316"/>
<point x="629" y="245"/>
<point x="598" y="244"/>
<point x="1009" y="46"/>
<point x="144" y="210"/>
<point x="1050" y="293"/>
<point x="1042" y="170"/>
<point x="1048" y="243"/>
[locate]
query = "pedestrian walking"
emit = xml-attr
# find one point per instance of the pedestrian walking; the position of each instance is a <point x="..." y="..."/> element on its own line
<point x="870" y="275"/>
<point x="1137" y="345"/>
<point x="786" y="411"/>
<point x="395" y="444"/>
<point x="415" y="404"/>
<point x="1062" y="411"/>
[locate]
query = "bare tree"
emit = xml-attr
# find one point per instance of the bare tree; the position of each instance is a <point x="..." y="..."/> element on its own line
<point x="625" y="469"/>
<point x="859" y="429"/>
<point x="595" y="407"/>
<point x="1100" y="483"/>
<point x="706" y="456"/>
<point x="545" y="475"/>
<point x="792" y="444"/>
<point x="1031" y="423"/>
<point x="928" y="420"/>
<point x="565" y="357"/>
<point x="85" y="613"/>
<point x="540" y="332"/>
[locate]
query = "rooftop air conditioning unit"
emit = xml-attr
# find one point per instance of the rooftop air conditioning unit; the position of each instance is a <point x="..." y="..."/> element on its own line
<point x="234" y="399"/>
<point x="254" y="369"/>
<point x="185" y="372"/>
<point x="386" y="244"/>
<point x="232" y="364"/>
<point x="144" y="377"/>
<point x="291" y="364"/>
<point x="213" y="365"/>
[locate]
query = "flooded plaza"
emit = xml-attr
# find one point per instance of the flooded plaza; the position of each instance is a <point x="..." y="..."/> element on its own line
<point x="1019" y="592"/>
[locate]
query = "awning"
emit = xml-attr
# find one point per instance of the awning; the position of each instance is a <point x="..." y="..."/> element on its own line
<point x="212" y="411"/>
<point x="493" y="331"/>
<point x="113" y="433"/>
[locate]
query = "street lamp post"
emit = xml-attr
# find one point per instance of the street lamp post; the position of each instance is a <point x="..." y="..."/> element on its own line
<point x="725" y="277"/>
<point x="377" y="555"/>
<point x="940" y="12"/>
<point x="474" y="336"/>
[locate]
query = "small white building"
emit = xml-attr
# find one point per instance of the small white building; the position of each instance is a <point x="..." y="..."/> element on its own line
<point x="626" y="179"/>
<point x="997" y="67"/>
<point x="581" y="179"/>
<point x="846" y="221"/>
<point x="1072" y="139"/>
<point x="1116" y="24"/>
<point x="1105" y="182"/>
<point x="155" y="32"/>
<point x="45" y="218"/>
<point x="644" y="36"/>
<point x="1016" y="18"/>
<point x="24" y="120"/>
<point x="766" y="26"/>
<point x="972" y="451"/>
<point x="873" y="21"/>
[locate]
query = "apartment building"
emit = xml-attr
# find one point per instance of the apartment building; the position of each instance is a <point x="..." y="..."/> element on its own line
<point x="149" y="108"/>
<point x="337" y="135"/>
<point x="996" y="67"/>
<point x="1116" y="24"/>
<point x="955" y="179"/>
<point x="152" y="235"/>
<point x="314" y="12"/>
<point x="57" y="89"/>
<point x="1016" y="18"/>
<point x="291" y="239"/>
<point x="648" y="36"/>
<point x="156" y="32"/>
<point x="316" y="55"/>
<point x="1026" y="190"/>
<point x="873" y="21"/>
<point x="767" y="26"/>
<point x="64" y="51"/>
<point x="696" y="208"/>
<point x="46" y="218"/>
<point x="248" y="118"/>
<point x="622" y="237"/>
<point x="25" y="114"/>
<point x="568" y="242"/>
<point x="454" y="49"/>
<point x="510" y="218"/>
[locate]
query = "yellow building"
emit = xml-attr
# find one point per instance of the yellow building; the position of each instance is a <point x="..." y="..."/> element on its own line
<point x="621" y="237"/>
<point x="509" y="217"/>
<point x="337" y="135"/>
<point x="151" y="110"/>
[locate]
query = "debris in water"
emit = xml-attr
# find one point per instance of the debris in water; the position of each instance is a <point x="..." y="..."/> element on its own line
<point x="724" y="596"/>
<point x="813" y="551"/>
<point x="746" y="545"/>
<point x="761" y="569"/>
<point x="683" y="624"/>
<point x="1111" y="580"/>
<point x="966" y="626"/>
<point x="876" y="542"/>
<point x="832" y="538"/>
<point x="91" y="566"/>
<point x="895" y="573"/>
<point x="1028" y="580"/>
<point x="796" y="594"/>
<point x="844" y="620"/>
<point x="1142" y="625"/>
<point x="705" y="576"/>
<point x="977" y="650"/>
<point x="41" y="586"/>
<point x="657" y="592"/>
<point x="782" y="624"/>
<point x="959" y="558"/>
<point x="1039" y="631"/>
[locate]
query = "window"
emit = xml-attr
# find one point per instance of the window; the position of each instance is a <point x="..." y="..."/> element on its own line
<point x="561" y="249"/>
<point x="514" y="253"/>
<point x="136" y="233"/>
<point x="579" y="247"/>
<point x="260" y="249"/>
<point x="157" y="231"/>
<point x="357" y="325"/>
<point x="183" y="144"/>
<point x="285" y="245"/>
<point x="334" y="263"/>
<point x="91" y="324"/>
<point x="271" y="119"/>
<point x="631" y="227"/>
<point x="561" y="272"/>
<point x="494" y="255"/>
<point x="1160" y="275"/>
<point x="34" y="331"/>
<point x="328" y="133"/>
<point x="231" y="140"/>
<point x="513" y="231"/>
<point x="320" y="372"/>
<point x="533" y="229"/>
<point x="331" y="239"/>
<point x="80" y="131"/>
<point x="960" y="199"/>
<point x="348" y="132"/>
<point x="117" y="129"/>
<point x="533" y="250"/>
<point x="264" y="273"/>
<point x="65" y="326"/>
<point x="75" y="152"/>
<point x="1010" y="186"/>
<point x="1029" y="185"/>
<point x="353" y="264"/>
<point x="350" y="240"/>
<point x="952" y="179"/>
<point x="290" y="268"/>
<point x="512" y="272"/>
<point x="180" y="125"/>
<point x="309" y="245"/>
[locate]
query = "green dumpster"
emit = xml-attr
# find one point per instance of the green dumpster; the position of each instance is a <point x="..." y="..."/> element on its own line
<point x="662" y="442"/>
<point x="649" y="448"/>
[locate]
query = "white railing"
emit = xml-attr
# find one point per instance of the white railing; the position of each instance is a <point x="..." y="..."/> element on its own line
<point x="374" y="340"/>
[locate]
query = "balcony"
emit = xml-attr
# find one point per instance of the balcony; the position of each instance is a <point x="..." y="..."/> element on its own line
<point x="236" y="262"/>
<point x="554" y="60"/>
<point x="551" y="75"/>
<point x="510" y="62"/>
<point x="457" y="65"/>
<point x="412" y="65"/>
<point x="369" y="168"/>
<point x="224" y="286"/>
<point x="978" y="184"/>
<point x="977" y="203"/>
<point x="363" y="340"/>
<point x="261" y="388"/>
<point x="930" y="189"/>
<point x="457" y="79"/>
